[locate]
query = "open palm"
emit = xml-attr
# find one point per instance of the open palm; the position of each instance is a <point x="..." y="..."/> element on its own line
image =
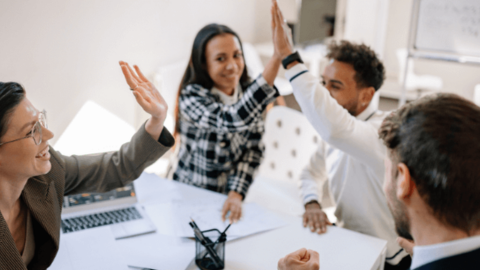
<point x="145" y="92"/>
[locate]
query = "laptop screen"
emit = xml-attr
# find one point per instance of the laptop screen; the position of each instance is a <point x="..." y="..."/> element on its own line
<point x="84" y="200"/>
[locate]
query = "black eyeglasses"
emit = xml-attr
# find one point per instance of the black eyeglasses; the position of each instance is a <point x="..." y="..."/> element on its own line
<point x="36" y="132"/>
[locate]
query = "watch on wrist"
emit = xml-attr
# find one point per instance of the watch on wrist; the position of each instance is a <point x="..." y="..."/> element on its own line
<point x="291" y="58"/>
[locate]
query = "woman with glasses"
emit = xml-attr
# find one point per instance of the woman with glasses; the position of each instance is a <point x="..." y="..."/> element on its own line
<point x="34" y="177"/>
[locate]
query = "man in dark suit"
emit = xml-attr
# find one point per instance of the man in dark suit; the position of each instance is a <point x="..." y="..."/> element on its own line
<point x="432" y="180"/>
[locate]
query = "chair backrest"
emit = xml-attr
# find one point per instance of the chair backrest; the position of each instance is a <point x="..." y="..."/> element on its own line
<point x="290" y="141"/>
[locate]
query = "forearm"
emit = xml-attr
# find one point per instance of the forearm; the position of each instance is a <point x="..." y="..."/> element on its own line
<point x="334" y="124"/>
<point x="154" y="127"/>
<point x="271" y="70"/>
<point x="199" y="108"/>
<point x="106" y="171"/>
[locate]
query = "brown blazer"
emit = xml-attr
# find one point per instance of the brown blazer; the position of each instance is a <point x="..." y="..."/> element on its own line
<point x="43" y="195"/>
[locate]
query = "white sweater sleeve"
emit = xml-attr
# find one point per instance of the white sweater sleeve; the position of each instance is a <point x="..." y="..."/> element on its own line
<point x="334" y="124"/>
<point x="314" y="176"/>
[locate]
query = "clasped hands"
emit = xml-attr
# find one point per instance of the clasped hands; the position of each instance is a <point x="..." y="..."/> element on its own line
<point x="281" y="34"/>
<point x="302" y="259"/>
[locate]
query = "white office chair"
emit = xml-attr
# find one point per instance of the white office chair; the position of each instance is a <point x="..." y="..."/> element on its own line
<point x="423" y="84"/>
<point x="290" y="141"/>
<point x="476" y="95"/>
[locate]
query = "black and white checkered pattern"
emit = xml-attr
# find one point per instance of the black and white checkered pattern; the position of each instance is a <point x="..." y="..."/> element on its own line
<point x="220" y="145"/>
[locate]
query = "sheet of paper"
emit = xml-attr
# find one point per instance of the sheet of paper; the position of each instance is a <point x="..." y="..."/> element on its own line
<point x="164" y="190"/>
<point x="157" y="251"/>
<point x="173" y="218"/>
<point x="93" y="249"/>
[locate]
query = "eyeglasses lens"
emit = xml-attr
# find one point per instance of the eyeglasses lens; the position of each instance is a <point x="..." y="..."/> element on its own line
<point x="37" y="133"/>
<point x="43" y="119"/>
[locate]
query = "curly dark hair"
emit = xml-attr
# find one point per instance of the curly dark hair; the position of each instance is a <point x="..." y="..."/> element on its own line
<point x="437" y="138"/>
<point x="369" y="69"/>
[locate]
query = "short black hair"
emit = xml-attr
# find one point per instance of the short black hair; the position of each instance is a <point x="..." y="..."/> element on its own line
<point x="368" y="68"/>
<point x="438" y="138"/>
<point x="11" y="94"/>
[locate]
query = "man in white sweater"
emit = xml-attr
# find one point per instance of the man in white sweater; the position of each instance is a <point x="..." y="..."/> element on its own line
<point x="351" y="155"/>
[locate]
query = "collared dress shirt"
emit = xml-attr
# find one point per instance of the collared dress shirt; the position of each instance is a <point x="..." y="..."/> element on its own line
<point x="351" y="158"/>
<point x="220" y="144"/>
<point x="425" y="255"/>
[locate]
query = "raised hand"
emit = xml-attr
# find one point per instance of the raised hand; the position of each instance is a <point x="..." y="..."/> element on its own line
<point x="281" y="34"/>
<point x="301" y="259"/>
<point x="147" y="97"/>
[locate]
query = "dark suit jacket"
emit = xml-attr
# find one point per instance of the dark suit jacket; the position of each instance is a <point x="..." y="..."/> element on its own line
<point x="465" y="261"/>
<point x="43" y="195"/>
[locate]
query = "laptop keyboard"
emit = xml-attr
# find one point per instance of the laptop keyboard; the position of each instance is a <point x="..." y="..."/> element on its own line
<point x="99" y="219"/>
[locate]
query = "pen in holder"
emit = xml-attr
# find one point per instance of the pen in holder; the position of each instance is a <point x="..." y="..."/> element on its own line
<point x="210" y="252"/>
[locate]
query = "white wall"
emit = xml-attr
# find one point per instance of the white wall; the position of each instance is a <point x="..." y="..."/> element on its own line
<point x="366" y="22"/>
<point x="263" y="18"/>
<point x="66" y="52"/>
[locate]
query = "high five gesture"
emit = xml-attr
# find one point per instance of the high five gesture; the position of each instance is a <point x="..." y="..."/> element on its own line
<point x="148" y="97"/>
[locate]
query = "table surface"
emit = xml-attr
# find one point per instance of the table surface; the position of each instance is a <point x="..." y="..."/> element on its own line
<point x="338" y="248"/>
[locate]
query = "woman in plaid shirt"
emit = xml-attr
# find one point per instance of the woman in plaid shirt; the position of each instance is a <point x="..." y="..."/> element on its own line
<point x="219" y="117"/>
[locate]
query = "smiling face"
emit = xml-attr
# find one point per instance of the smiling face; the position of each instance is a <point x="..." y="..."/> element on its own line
<point x="339" y="79"/>
<point x="225" y="62"/>
<point x="23" y="158"/>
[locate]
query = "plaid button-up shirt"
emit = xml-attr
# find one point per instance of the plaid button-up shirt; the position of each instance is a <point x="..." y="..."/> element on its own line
<point x="220" y="145"/>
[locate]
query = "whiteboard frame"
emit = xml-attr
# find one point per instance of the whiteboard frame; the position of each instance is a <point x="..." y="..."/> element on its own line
<point x="432" y="54"/>
<point x="427" y="54"/>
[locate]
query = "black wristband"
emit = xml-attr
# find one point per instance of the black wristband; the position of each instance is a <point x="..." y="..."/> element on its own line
<point x="291" y="58"/>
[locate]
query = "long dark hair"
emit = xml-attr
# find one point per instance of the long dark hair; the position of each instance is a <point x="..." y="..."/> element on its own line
<point x="11" y="94"/>
<point x="196" y="72"/>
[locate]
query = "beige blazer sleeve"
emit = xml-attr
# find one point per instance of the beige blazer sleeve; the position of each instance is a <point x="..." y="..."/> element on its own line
<point x="106" y="171"/>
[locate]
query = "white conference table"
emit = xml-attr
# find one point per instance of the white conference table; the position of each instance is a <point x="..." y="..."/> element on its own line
<point x="338" y="248"/>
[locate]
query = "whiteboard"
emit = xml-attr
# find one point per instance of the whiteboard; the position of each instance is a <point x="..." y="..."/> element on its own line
<point x="448" y="26"/>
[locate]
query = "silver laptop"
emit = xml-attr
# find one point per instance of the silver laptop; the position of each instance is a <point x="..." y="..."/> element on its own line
<point x="117" y="209"/>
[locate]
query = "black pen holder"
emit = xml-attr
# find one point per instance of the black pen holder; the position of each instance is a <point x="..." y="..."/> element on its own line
<point x="210" y="254"/>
